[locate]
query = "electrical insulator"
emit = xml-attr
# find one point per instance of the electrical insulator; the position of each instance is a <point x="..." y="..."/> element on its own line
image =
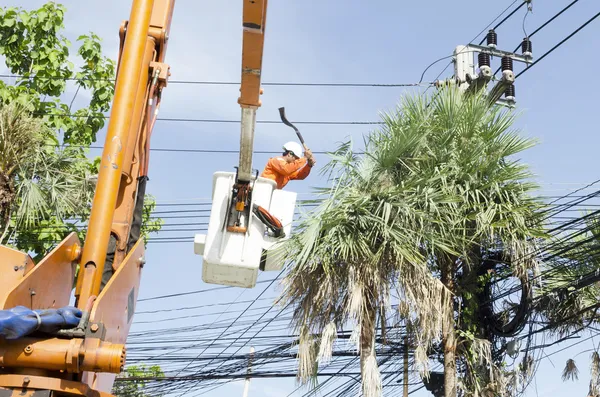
<point x="507" y="63"/>
<point x="484" y="59"/>
<point x="526" y="47"/>
<point x="492" y="38"/>
<point x="509" y="94"/>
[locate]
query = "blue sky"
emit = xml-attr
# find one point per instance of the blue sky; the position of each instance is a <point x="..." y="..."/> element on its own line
<point x="343" y="41"/>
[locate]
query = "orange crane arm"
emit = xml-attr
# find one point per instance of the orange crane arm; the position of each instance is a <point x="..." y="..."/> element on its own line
<point x="137" y="85"/>
<point x="253" y="39"/>
<point x="254" y="24"/>
<point x="85" y="360"/>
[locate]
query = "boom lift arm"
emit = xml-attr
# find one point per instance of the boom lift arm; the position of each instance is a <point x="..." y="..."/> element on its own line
<point x="253" y="39"/>
<point x="254" y="20"/>
<point x="248" y="214"/>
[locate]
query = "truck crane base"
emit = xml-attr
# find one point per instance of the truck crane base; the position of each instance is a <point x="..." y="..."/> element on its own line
<point x="232" y="258"/>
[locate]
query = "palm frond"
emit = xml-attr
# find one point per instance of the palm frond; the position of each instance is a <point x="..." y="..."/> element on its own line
<point x="436" y="183"/>
<point x="570" y="372"/>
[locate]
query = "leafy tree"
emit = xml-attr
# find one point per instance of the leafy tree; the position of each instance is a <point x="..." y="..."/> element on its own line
<point x="436" y="193"/>
<point x="137" y="387"/>
<point x="37" y="55"/>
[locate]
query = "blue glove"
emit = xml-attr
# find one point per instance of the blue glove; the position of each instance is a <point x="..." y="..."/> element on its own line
<point x="63" y="318"/>
<point x="21" y="321"/>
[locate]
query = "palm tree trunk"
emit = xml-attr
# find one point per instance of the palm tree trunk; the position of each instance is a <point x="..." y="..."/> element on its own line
<point x="368" y="360"/>
<point x="449" y="338"/>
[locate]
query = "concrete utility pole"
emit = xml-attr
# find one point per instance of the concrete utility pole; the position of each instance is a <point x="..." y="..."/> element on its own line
<point x="247" y="381"/>
<point x="473" y="74"/>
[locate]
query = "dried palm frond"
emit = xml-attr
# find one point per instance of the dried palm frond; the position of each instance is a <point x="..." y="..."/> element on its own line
<point x="307" y="366"/>
<point x="595" y="375"/>
<point x="570" y="372"/>
<point x="326" y="346"/>
<point x="371" y="378"/>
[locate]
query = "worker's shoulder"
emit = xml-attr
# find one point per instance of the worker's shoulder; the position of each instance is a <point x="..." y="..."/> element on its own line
<point x="278" y="159"/>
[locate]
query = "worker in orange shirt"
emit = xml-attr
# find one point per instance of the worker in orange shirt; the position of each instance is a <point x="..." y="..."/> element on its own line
<point x="289" y="166"/>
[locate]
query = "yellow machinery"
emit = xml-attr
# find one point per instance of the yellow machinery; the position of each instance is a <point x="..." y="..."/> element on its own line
<point x="85" y="361"/>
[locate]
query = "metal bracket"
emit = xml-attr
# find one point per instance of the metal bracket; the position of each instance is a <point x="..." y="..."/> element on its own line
<point x="95" y="330"/>
<point x="164" y="73"/>
<point x="527" y="59"/>
<point x="465" y="69"/>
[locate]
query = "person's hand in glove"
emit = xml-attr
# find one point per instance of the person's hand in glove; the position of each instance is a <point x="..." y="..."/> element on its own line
<point x="310" y="158"/>
<point x="63" y="318"/>
<point x="21" y="321"/>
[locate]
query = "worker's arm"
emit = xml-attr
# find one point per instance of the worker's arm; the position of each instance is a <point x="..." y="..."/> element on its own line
<point x="301" y="173"/>
<point x="288" y="169"/>
<point x="309" y="157"/>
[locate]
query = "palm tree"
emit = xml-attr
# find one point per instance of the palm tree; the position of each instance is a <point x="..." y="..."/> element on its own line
<point x="38" y="181"/>
<point x="19" y="138"/>
<point x="436" y="192"/>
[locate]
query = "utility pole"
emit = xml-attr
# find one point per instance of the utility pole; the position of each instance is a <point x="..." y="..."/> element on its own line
<point x="473" y="74"/>
<point x="247" y="381"/>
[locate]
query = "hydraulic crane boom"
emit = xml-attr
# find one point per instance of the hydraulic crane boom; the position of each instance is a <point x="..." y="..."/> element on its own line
<point x="254" y="20"/>
<point x="84" y="361"/>
<point x="124" y="166"/>
<point x="254" y="24"/>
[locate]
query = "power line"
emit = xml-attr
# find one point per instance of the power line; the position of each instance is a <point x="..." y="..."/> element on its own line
<point x="220" y="121"/>
<point x="238" y="317"/>
<point x="559" y="44"/>
<point x="197" y="292"/>
<point x="542" y="27"/>
<point x="550" y="20"/>
<point x="508" y="16"/>
<point x="216" y="151"/>
<point x="474" y="38"/>
<point x="200" y="82"/>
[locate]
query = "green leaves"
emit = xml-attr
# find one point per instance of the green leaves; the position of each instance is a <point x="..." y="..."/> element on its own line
<point x="34" y="49"/>
<point x="131" y="386"/>
<point x="52" y="184"/>
<point x="150" y="224"/>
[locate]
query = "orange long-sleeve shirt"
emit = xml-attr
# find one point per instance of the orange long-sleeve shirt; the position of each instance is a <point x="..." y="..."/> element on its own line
<point x="282" y="172"/>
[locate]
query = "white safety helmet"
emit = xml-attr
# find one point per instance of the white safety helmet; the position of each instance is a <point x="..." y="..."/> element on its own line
<point x="293" y="147"/>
